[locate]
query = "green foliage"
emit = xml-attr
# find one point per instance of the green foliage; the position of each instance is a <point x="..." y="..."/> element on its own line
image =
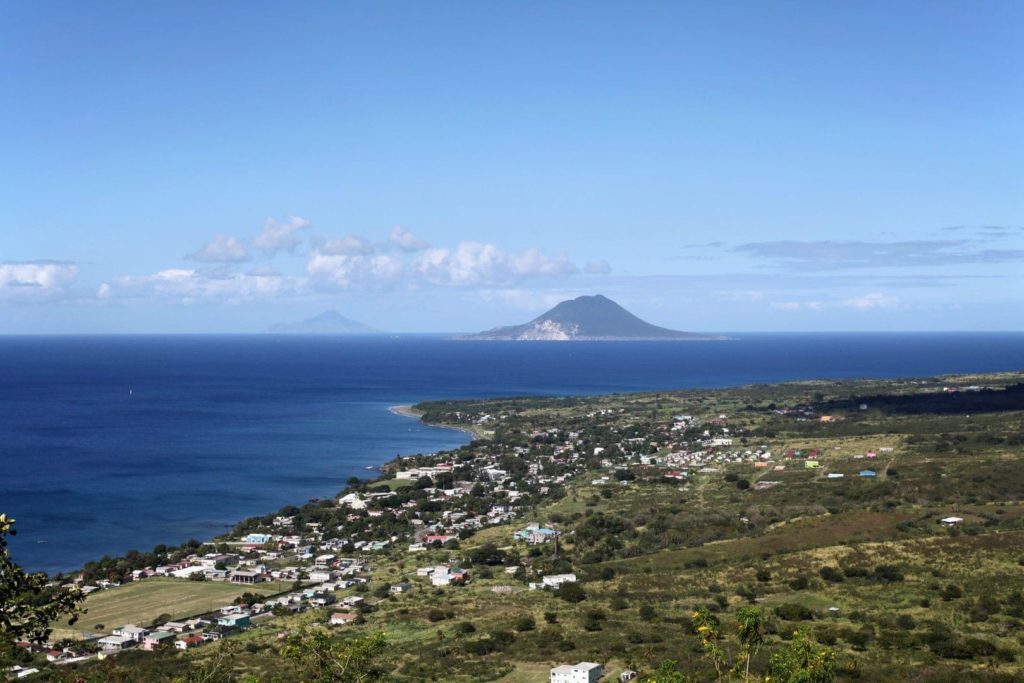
<point x="802" y="661"/>
<point x="571" y="592"/>
<point x="28" y="605"/>
<point x="357" y="661"/>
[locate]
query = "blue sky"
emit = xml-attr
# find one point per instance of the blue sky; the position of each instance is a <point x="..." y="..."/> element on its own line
<point x="219" y="167"/>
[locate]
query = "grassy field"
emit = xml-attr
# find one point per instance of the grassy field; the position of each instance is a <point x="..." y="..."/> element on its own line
<point x="141" y="602"/>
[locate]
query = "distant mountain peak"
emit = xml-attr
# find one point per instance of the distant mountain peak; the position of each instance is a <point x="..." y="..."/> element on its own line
<point x="593" y="317"/>
<point x="328" y="322"/>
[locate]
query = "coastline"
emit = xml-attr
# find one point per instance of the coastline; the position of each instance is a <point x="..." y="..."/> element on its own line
<point x="410" y="411"/>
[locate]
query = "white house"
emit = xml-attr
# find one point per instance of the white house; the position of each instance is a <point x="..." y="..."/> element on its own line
<point x="584" y="672"/>
<point x="131" y="631"/>
<point x="556" y="580"/>
<point x="352" y="500"/>
<point x="115" y="643"/>
<point x="342" y="618"/>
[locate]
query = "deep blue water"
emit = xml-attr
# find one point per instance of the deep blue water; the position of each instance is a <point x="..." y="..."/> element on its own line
<point x="217" y="428"/>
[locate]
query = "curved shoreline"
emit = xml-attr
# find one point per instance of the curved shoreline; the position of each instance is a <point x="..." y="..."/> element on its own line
<point x="409" y="411"/>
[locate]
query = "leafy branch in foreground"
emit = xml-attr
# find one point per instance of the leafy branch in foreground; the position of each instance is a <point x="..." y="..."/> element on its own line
<point x="331" y="661"/>
<point x="28" y="605"/>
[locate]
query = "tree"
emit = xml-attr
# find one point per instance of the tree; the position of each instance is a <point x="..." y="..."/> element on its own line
<point x="27" y="604"/>
<point x="802" y="662"/>
<point x="354" y="661"/>
<point x="750" y="631"/>
<point x="705" y="625"/>
<point x="571" y="592"/>
<point x="668" y="672"/>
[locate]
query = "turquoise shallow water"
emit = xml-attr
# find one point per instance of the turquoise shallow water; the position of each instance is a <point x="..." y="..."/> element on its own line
<point x="113" y="443"/>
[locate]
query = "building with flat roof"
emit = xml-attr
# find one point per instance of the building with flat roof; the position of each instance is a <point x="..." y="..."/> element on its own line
<point x="584" y="672"/>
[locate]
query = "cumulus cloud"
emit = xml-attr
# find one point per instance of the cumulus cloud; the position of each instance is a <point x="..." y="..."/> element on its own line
<point x="474" y="263"/>
<point x="34" y="279"/>
<point x="597" y="268"/>
<point x="187" y="285"/>
<point x="221" y="249"/>
<point x="405" y="240"/>
<point x="345" y="271"/>
<point x="280" y="235"/>
<point x="349" y="262"/>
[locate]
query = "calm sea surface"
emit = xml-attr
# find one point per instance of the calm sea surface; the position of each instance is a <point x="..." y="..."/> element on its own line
<point x="113" y="443"/>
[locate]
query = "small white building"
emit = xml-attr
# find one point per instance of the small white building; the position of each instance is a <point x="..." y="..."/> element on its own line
<point x="556" y="580"/>
<point x="584" y="672"/>
<point x="110" y="643"/>
<point x="342" y="618"/>
<point x="132" y="632"/>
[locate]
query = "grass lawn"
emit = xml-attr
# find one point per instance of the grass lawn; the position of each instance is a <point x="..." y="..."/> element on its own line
<point x="142" y="601"/>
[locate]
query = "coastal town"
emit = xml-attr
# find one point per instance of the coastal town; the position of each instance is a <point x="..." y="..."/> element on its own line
<point x="515" y="512"/>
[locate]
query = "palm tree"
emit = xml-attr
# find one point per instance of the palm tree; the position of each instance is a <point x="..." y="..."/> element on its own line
<point x="750" y="630"/>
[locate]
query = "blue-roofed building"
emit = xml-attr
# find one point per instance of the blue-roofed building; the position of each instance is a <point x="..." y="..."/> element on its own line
<point x="867" y="473"/>
<point x="258" y="539"/>
<point x="535" y="534"/>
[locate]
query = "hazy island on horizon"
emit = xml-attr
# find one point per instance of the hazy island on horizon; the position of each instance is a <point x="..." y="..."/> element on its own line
<point x="328" y="322"/>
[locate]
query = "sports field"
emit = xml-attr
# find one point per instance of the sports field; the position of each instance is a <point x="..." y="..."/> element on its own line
<point x="142" y="601"/>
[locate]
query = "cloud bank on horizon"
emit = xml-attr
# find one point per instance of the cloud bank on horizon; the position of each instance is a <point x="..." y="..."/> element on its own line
<point x="289" y="262"/>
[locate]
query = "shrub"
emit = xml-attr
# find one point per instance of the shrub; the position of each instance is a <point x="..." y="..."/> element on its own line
<point x="952" y="592"/>
<point x="792" y="611"/>
<point x="888" y="573"/>
<point x="571" y="592"/>
<point x="831" y="574"/>
<point x="648" y="613"/>
<point x="906" y="622"/>
<point x="525" y="623"/>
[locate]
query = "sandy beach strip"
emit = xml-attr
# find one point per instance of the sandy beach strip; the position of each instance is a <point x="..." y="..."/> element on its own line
<point x="405" y="411"/>
<point x="408" y="411"/>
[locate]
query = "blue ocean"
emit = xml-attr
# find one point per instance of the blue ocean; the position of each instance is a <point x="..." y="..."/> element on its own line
<point x="121" y="442"/>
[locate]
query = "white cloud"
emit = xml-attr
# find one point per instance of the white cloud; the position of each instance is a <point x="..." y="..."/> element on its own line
<point x="34" y="279"/>
<point x="475" y="263"/>
<point x="405" y="240"/>
<point x="280" y="235"/>
<point x="867" y="302"/>
<point x="187" y="285"/>
<point x="601" y="267"/>
<point x="350" y="245"/>
<point x="350" y="262"/>
<point x="345" y="271"/>
<point x="221" y="249"/>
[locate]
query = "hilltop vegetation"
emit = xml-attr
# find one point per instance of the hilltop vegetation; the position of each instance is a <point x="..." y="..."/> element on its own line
<point x="682" y="516"/>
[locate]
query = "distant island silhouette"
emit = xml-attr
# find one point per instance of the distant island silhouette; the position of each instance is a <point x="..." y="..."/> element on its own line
<point x="587" y="318"/>
<point x="328" y="322"/>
